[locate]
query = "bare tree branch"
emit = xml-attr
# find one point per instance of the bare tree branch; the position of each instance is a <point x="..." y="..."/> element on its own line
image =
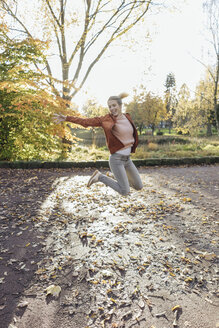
<point x="10" y="12"/>
<point x="121" y="17"/>
<point x="58" y="41"/>
<point x="86" y="24"/>
<point x="113" y="37"/>
<point x="81" y="41"/>
<point x="52" y="13"/>
<point x="91" y="42"/>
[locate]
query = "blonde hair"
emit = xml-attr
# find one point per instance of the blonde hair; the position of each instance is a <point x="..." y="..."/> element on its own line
<point x="119" y="97"/>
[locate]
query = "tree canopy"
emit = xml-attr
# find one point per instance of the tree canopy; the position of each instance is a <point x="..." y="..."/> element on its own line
<point x="211" y="9"/>
<point x="78" y="34"/>
<point x="26" y="104"/>
<point x="147" y="109"/>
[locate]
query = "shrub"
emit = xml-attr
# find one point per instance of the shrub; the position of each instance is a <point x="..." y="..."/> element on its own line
<point x="212" y="148"/>
<point x="141" y="152"/>
<point x="152" y="146"/>
<point x="176" y="140"/>
<point x="78" y="149"/>
<point x="104" y="148"/>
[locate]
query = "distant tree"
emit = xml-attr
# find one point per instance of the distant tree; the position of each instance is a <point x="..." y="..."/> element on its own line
<point x="204" y="98"/>
<point x="154" y="110"/>
<point x="170" y="98"/>
<point x="135" y="108"/>
<point x="183" y="109"/>
<point x="147" y="109"/>
<point x="191" y="114"/>
<point x="170" y="81"/>
<point x="92" y="109"/>
<point x="211" y="9"/>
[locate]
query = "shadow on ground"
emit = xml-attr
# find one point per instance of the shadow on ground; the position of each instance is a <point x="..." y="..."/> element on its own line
<point x="22" y="193"/>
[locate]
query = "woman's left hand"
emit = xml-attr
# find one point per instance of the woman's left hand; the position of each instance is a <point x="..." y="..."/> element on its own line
<point x="58" y="118"/>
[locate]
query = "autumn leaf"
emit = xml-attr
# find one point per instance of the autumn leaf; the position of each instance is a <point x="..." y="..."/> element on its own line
<point x="176" y="307"/>
<point x="208" y="256"/>
<point x="53" y="290"/>
<point x="23" y="304"/>
<point x="112" y="299"/>
<point x="95" y="282"/>
<point x="188" y="279"/>
<point x="187" y="200"/>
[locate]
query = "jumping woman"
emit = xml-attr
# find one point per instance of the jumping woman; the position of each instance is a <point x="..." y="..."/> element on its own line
<point x="122" y="140"/>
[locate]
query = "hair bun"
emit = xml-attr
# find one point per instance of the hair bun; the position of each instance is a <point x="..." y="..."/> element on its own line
<point x="123" y="95"/>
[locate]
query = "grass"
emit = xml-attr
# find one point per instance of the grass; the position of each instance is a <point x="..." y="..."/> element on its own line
<point x="197" y="147"/>
<point x="155" y="148"/>
<point x="88" y="153"/>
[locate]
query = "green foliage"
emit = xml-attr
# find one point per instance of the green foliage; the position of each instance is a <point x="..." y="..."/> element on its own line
<point x="26" y="130"/>
<point x="163" y="140"/>
<point x="25" y="135"/>
<point x="170" y="82"/>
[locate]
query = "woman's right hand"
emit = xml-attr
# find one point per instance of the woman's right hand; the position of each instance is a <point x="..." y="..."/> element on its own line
<point x="58" y="118"/>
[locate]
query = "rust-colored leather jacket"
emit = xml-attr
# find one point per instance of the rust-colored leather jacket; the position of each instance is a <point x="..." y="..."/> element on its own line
<point x="106" y="122"/>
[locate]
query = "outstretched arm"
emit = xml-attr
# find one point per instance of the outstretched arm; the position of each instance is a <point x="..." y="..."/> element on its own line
<point x="85" y="122"/>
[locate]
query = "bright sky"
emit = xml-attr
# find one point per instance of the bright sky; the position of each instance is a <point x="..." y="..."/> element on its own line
<point x="177" y="39"/>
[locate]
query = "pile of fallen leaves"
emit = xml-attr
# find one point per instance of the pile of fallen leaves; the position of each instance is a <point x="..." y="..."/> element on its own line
<point x="107" y="257"/>
<point x="123" y="247"/>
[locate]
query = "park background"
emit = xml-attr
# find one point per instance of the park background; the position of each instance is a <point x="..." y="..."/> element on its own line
<point x="147" y="259"/>
<point x="58" y="56"/>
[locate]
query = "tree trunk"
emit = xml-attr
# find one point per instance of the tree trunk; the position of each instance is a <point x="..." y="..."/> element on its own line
<point x="216" y="105"/>
<point x="94" y="137"/>
<point x="140" y="128"/>
<point x="209" y="130"/>
<point x="170" y="127"/>
<point x="216" y="109"/>
<point x="152" y="129"/>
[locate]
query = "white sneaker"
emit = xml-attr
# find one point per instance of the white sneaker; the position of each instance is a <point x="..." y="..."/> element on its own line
<point x="94" y="178"/>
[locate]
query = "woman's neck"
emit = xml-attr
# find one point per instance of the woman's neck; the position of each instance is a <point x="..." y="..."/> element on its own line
<point x="119" y="116"/>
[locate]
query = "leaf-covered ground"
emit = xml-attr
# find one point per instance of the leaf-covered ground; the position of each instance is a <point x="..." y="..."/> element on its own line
<point x="73" y="257"/>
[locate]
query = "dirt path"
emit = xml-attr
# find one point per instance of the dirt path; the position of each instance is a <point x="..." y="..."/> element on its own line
<point x="114" y="261"/>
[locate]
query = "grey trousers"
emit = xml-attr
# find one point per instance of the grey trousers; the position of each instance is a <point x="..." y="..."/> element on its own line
<point x="125" y="174"/>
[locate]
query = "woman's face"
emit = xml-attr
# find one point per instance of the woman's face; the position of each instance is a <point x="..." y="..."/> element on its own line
<point x="114" y="108"/>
